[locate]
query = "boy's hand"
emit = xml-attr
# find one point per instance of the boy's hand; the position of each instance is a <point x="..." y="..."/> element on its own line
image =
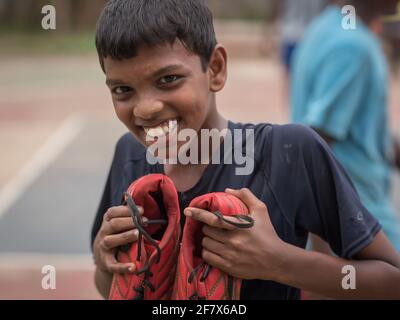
<point x="243" y="253"/>
<point x="116" y="230"/>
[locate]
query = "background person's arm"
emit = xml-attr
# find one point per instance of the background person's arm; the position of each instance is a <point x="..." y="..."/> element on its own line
<point x="338" y="90"/>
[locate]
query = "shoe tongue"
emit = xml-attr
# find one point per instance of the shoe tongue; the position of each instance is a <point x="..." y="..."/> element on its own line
<point x="194" y="227"/>
<point x="147" y="192"/>
<point x="159" y="212"/>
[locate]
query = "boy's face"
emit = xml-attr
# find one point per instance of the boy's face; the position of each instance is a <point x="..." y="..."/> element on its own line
<point x="161" y="91"/>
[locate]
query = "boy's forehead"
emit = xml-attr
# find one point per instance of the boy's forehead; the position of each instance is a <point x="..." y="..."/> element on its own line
<point x="152" y="59"/>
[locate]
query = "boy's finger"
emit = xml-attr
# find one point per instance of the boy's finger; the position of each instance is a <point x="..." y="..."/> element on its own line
<point x="119" y="225"/>
<point x="214" y="259"/>
<point x="120" y="212"/>
<point x="216" y="234"/>
<point x="213" y="246"/>
<point x="209" y="218"/>
<point x="248" y="198"/>
<point x="114" y="266"/>
<point x="121" y="268"/>
<point x="113" y="241"/>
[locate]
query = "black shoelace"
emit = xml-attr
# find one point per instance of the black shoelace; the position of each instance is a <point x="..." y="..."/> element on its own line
<point x="140" y="225"/>
<point x="247" y="222"/>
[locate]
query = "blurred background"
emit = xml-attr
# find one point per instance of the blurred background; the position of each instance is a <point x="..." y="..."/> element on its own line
<point x="58" y="129"/>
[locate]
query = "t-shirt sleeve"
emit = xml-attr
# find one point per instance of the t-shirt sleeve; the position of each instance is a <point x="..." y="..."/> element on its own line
<point x="105" y="204"/>
<point x="118" y="177"/>
<point x="340" y="84"/>
<point x="314" y="192"/>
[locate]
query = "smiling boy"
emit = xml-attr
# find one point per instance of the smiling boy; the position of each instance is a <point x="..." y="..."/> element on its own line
<point x="164" y="67"/>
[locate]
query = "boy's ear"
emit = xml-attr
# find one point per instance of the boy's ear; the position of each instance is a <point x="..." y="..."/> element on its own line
<point x="217" y="68"/>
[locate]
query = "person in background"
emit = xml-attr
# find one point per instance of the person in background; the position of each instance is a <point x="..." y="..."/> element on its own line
<point x="296" y="16"/>
<point x="340" y="88"/>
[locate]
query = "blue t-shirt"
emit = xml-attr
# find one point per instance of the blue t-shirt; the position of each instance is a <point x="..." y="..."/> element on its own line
<point x="295" y="175"/>
<point x="339" y="87"/>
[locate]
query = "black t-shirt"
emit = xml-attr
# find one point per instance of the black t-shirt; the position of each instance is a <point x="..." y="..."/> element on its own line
<point x="295" y="175"/>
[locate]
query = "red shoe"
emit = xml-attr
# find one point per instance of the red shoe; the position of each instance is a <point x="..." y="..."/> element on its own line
<point x="156" y="251"/>
<point x="196" y="280"/>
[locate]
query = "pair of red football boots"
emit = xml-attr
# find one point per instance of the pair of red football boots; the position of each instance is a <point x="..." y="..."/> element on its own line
<point x="165" y="268"/>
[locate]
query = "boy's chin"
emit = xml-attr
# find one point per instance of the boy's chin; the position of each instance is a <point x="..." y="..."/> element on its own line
<point x="162" y="152"/>
<point x="172" y="154"/>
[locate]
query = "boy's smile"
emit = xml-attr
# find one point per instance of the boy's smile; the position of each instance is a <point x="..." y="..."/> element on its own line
<point x="162" y="129"/>
<point x="162" y="90"/>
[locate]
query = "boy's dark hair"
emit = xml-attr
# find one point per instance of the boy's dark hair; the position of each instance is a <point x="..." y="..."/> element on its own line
<point x="126" y="25"/>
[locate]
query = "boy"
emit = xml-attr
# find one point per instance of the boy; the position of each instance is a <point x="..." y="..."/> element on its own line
<point x="340" y="88"/>
<point x="164" y="67"/>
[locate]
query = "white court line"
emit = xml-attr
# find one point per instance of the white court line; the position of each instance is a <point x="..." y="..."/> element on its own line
<point x="49" y="152"/>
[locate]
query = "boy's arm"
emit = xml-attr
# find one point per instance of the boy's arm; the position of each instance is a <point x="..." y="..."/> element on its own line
<point x="376" y="275"/>
<point x="269" y="258"/>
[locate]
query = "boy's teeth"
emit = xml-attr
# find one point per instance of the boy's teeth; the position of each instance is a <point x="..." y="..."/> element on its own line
<point x="162" y="129"/>
<point x="172" y="124"/>
<point x="154" y="132"/>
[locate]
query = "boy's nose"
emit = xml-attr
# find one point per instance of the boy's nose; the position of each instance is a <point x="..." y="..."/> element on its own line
<point x="147" y="109"/>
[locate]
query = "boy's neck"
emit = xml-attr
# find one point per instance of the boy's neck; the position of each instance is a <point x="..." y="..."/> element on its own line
<point x="186" y="176"/>
<point x="214" y="119"/>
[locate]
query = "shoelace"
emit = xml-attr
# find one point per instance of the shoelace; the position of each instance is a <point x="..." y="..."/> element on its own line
<point x="145" y="283"/>
<point x="140" y="225"/>
<point x="248" y="223"/>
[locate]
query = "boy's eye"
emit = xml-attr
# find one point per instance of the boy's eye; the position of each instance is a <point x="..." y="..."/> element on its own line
<point x="121" y="90"/>
<point x="168" y="79"/>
